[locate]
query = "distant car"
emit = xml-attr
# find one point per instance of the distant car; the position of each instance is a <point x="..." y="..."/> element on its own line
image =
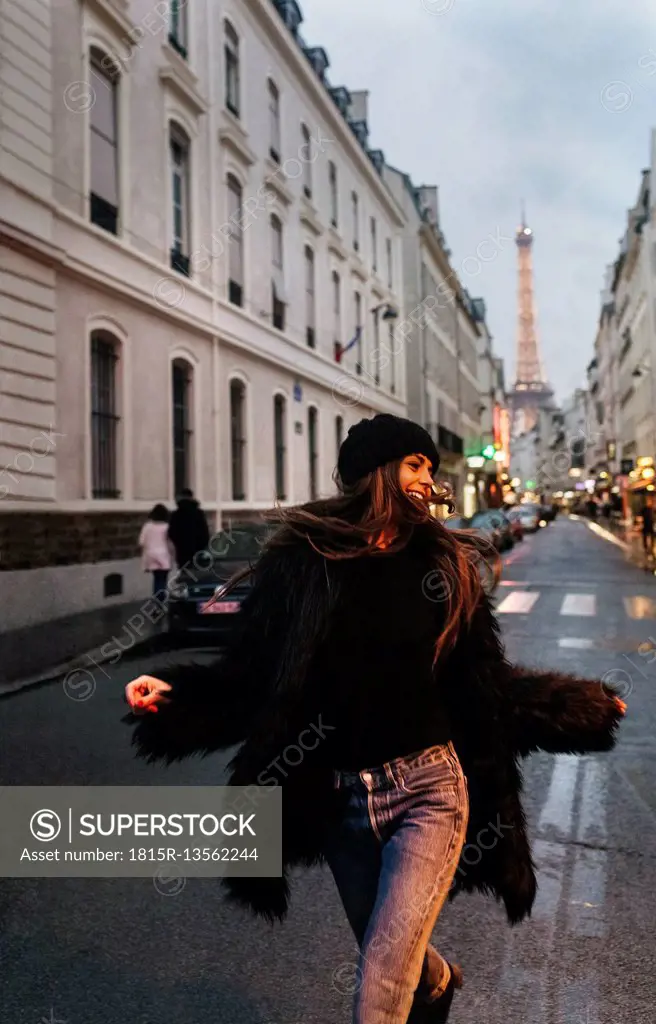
<point x="195" y="607"/>
<point x="529" y="517"/>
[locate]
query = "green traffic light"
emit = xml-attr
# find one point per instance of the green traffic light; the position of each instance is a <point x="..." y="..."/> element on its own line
<point x="488" y="452"/>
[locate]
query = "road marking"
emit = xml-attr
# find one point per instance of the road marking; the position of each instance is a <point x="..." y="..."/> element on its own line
<point x="578" y="604"/>
<point x="640" y="607"/>
<point x="557" y="811"/>
<point x="578" y="642"/>
<point x="518" y="602"/>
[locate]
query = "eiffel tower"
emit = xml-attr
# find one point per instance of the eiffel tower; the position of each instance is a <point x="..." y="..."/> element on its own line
<point x="531" y="391"/>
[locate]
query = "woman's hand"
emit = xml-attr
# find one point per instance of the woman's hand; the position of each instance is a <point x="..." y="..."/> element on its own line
<point x="145" y="693"/>
<point x="622" y="705"/>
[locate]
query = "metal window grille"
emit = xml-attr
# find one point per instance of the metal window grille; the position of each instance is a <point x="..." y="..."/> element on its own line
<point x="279" y="441"/>
<point x="182" y="432"/>
<point x="104" y="418"/>
<point x="312" y="451"/>
<point x="237" y="439"/>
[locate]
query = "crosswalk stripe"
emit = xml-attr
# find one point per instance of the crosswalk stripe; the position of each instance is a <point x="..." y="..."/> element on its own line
<point x="578" y="643"/>
<point x="578" y="604"/>
<point x="518" y="602"/>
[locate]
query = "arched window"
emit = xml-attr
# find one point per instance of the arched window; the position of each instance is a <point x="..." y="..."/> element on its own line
<point x="278" y="299"/>
<point x="306" y="160"/>
<point x="105" y="418"/>
<point x="181" y="381"/>
<point x="279" y="419"/>
<point x="104" y="131"/>
<point x="355" y="210"/>
<point x="337" y="313"/>
<point x="310" y="303"/>
<point x="232" y="71"/>
<point x="238" y="438"/>
<point x="339" y="435"/>
<point x="334" y="199"/>
<point x="274" y="122"/>
<point x="313" y="450"/>
<point x="178" y="27"/>
<point x="179" y="147"/>
<point x="358" y="329"/>
<point x="235" y="243"/>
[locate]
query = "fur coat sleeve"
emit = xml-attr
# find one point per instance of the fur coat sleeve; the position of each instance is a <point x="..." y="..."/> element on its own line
<point x="541" y="709"/>
<point x="218" y="705"/>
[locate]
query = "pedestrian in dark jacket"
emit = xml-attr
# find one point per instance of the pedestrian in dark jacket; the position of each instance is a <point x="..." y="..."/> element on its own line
<point x="648" y="526"/>
<point x="188" y="529"/>
<point x="367" y="625"/>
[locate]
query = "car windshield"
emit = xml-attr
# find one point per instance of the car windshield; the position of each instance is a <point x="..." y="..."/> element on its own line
<point x="481" y="519"/>
<point x="243" y="543"/>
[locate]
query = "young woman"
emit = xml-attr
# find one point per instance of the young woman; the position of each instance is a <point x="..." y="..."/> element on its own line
<point x="156" y="549"/>
<point x="367" y="626"/>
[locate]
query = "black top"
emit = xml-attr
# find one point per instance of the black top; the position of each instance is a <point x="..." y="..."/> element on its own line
<point x="375" y="669"/>
<point x="647" y="519"/>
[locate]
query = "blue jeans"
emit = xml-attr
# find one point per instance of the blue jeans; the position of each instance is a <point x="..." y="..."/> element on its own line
<point x="393" y="858"/>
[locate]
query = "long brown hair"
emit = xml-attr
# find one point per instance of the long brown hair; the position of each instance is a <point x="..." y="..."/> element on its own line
<point x="349" y="524"/>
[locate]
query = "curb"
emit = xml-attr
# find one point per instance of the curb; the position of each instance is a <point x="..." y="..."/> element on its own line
<point x="80" y="663"/>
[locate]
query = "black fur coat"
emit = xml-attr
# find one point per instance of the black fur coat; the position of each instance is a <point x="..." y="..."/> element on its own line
<point x="256" y="696"/>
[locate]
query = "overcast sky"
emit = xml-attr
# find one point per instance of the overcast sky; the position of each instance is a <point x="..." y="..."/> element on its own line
<point x="552" y="101"/>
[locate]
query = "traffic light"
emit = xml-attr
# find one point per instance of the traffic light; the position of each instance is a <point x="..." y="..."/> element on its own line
<point x="488" y="451"/>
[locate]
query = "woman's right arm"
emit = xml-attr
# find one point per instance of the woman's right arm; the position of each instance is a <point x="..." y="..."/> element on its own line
<point x="204" y="708"/>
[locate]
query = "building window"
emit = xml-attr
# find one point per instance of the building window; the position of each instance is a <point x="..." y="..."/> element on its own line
<point x="313" y="451"/>
<point x="179" y="149"/>
<point x="103" y="122"/>
<point x="334" y="197"/>
<point x="355" y="206"/>
<point x="359" y="329"/>
<point x="310" y="305"/>
<point x="274" y="122"/>
<point x="235" y="243"/>
<point x="238" y="438"/>
<point x="388" y="247"/>
<point x="392" y="358"/>
<point x="178" y="27"/>
<point x="231" y="55"/>
<point x="104" y="415"/>
<point x="374" y="245"/>
<point x="277" y="275"/>
<point x="376" y="352"/>
<point x="279" y="416"/>
<point x="339" y="435"/>
<point x="306" y="160"/>
<point x="182" y="432"/>
<point x="337" y="312"/>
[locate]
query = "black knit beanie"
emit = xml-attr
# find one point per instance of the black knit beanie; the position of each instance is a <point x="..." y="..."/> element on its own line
<point x="373" y="443"/>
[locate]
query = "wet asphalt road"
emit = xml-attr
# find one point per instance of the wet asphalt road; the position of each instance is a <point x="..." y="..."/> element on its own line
<point x="104" y="951"/>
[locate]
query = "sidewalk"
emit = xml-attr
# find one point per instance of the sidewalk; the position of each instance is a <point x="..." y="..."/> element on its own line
<point x="628" y="538"/>
<point x="50" y="649"/>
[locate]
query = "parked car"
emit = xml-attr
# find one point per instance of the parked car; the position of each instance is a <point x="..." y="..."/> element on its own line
<point x="491" y="527"/>
<point x="457" y="523"/>
<point x="529" y="517"/>
<point x="516" y="525"/>
<point x="500" y="519"/>
<point x="195" y="608"/>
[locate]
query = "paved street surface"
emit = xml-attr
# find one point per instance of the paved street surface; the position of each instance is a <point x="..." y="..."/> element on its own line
<point x="117" y="951"/>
